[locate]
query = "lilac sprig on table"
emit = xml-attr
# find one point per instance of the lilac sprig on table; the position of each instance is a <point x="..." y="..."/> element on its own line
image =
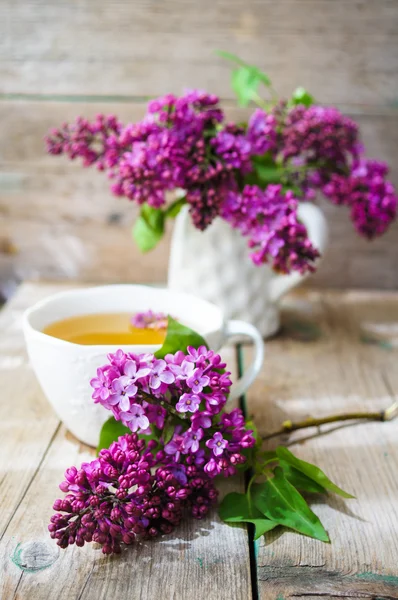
<point x="126" y="494"/>
<point x="185" y="145"/>
<point x="182" y="395"/>
<point x="163" y="448"/>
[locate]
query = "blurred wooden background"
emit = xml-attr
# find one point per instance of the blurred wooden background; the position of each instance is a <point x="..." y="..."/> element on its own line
<point x="63" y="58"/>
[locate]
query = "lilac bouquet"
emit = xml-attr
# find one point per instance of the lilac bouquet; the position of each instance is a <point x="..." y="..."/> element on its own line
<point x="250" y="174"/>
<point x="161" y="452"/>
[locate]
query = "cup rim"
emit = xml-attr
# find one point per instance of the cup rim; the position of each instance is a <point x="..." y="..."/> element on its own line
<point x="32" y="331"/>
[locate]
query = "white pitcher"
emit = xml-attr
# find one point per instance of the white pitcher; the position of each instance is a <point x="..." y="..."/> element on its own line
<point x="215" y="265"/>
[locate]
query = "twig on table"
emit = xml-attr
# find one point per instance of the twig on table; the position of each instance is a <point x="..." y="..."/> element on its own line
<point x="288" y="426"/>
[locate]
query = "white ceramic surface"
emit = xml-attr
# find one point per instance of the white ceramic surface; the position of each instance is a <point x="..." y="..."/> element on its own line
<point x="215" y="265"/>
<point x="64" y="369"/>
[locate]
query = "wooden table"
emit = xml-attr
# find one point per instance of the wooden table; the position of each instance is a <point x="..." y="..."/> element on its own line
<point x="325" y="361"/>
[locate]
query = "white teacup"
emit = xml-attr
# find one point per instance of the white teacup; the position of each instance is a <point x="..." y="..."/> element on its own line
<point x="64" y="369"/>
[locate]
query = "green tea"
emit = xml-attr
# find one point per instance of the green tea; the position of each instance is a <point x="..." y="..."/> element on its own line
<point x="104" y="329"/>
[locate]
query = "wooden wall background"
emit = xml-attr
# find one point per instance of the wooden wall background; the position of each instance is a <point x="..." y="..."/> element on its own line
<point x="61" y="58"/>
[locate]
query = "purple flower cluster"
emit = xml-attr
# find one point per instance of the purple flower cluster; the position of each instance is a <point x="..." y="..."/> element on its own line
<point x="93" y="142"/>
<point x="372" y="199"/>
<point x="174" y="146"/>
<point x="269" y="219"/>
<point x="189" y="390"/>
<point x="128" y="494"/>
<point x="319" y="134"/>
<point x="262" y="132"/>
<point x="149" y="320"/>
<point x="319" y="149"/>
<point x="185" y="143"/>
<point x="139" y="489"/>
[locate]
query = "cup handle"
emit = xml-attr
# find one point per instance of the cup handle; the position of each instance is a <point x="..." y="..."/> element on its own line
<point x="239" y="328"/>
<point x="313" y="219"/>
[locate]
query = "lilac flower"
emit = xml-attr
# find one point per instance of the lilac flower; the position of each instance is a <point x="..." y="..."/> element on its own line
<point x="269" y="219"/>
<point x="319" y="133"/>
<point x="262" y="132"/>
<point x="197" y="354"/>
<point x="191" y="440"/>
<point x="156" y="414"/>
<point x="201" y="420"/>
<point x="185" y="143"/>
<point x="188" y="403"/>
<point x="117" y="499"/>
<point x="125" y="387"/>
<point x="217" y="444"/>
<point x="174" y="447"/>
<point x="149" y="320"/>
<point x="212" y="468"/>
<point x="135" y="418"/>
<point x="233" y="148"/>
<point x="96" y="142"/>
<point x="160" y="373"/>
<point x="122" y="392"/>
<point x="102" y="383"/>
<point x="182" y="371"/>
<point x="372" y="199"/>
<point x="233" y="419"/>
<point x="151" y="383"/>
<point x="118" y="358"/>
<point x="214" y="402"/>
<point x="197" y="381"/>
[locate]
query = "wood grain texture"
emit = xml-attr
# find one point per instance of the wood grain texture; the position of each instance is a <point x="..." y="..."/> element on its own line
<point x="321" y="365"/>
<point x="197" y="562"/>
<point x="343" y="51"/>
<point x="59" y="221"/>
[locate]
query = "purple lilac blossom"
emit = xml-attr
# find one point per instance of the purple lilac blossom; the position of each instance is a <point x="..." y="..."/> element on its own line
<point x="372" y="198"/>
<point x="269" y="219"/>
<point x="319" y="133"/>
<point x="127" y="494"/>
<point x="185" y="143"/>
<point x="192" y="389"/>
<point x="262" y="132"/>
<point x="149" y="320"/>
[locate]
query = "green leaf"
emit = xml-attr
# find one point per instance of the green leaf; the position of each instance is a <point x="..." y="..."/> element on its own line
<point x="280" y="502"/>
<point x="168" y="431"/>
<point x="263" y="77"/>
<point x="149" y="227"/>
<point x="299" y="480"/>
<point x="110" y="432"/>
<point x="244" y="83"/>
<point x="179" y="337"/>
<point x="311" y="471"/>
<point x="301" y="96"/>
<point x="268" y="173"/>
<point x="174" y="208"/>
<point x="234" y="508"/>
<point x="262" y="526"/>
<point x="231" y="57"/>
<point x="260" y="75"/>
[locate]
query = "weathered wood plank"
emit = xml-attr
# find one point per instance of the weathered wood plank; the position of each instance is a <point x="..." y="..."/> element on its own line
<point x="320" y="366"/>
<point x="148" y="48"/>
<point x="196" y="562"/>
<point x="27" y="426"/>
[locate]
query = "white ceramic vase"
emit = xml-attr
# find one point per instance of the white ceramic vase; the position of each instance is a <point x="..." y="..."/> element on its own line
<point x="215" y="265"/>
